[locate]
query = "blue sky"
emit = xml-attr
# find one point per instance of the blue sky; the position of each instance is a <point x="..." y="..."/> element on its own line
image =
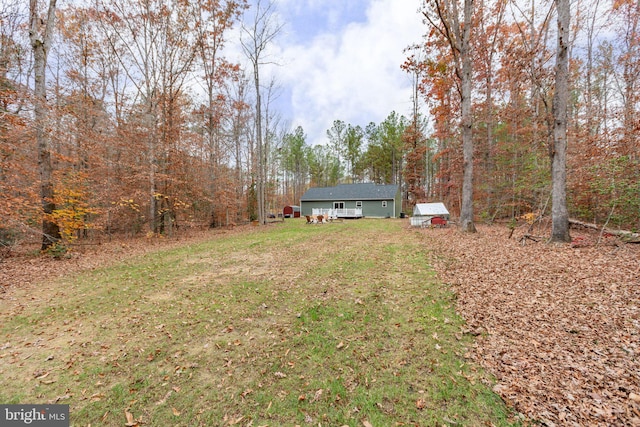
<point x="340" y="59"/>
<point x="305" y="19"/>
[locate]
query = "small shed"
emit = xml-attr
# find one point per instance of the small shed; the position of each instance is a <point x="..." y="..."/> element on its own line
<point x="424" y="212"/>
<point x="291" y="212"/>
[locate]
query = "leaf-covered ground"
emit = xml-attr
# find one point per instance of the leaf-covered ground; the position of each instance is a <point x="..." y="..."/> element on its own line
<point x="558" y="325"/>
<point x="24" y="266"/>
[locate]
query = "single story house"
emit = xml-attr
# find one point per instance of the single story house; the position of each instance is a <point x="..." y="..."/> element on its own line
<point x="424" y="212"/>
<point x="353" y="201"/>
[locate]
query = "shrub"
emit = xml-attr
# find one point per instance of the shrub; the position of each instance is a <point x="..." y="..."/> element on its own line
<point x="8" y="238"/>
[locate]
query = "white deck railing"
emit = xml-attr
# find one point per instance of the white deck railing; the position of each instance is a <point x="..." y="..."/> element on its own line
<point x="338" y="213"/>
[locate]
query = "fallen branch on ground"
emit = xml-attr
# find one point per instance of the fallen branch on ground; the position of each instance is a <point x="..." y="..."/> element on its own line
<point x="524" y="238"/>
<point x="625" y="236"/>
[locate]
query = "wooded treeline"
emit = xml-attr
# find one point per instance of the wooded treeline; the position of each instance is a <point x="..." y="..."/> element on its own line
<point x="147" y="126"/>
<point x="513" y="51"/>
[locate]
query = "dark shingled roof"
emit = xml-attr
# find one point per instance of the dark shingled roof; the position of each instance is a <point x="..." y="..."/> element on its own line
<point x="368" y="191"/>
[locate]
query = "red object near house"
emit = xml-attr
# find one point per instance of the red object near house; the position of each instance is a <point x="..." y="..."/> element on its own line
<point x="438" y="221"/>
<point x="291" y="212"/>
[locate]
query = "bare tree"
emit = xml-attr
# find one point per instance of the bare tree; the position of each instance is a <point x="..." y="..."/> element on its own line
<point x="489" y="31"/>
<point x="259" y="34"/>
<point x="151" y="41"/>
<point x="214" y="20"/>
<point x="40" y="33"/>
<point x="559" y="212"/>
<point x="445" y="19"/>
<point x="240" y="123"/>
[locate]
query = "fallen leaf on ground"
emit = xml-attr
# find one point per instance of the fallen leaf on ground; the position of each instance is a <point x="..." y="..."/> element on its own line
<point x="131" y="422"/>
<point x="555" y="324"/>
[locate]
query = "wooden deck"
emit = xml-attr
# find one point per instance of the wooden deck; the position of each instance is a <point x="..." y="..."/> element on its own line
<point x="338" y="213"/>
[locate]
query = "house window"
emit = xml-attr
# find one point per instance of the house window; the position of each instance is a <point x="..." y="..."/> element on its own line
<point x="358" y="204"/>
<point x="338" y="205"/>
<point x="384" y="203"/>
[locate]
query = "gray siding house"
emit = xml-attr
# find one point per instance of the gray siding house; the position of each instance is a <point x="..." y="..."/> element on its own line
<point x="354" y="200"/>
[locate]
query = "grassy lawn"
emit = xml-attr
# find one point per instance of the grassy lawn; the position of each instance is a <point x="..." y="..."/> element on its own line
<point x="290" y="324"/>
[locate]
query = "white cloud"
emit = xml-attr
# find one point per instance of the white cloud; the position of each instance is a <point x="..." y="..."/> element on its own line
<point x="341" y="60"/>
<point x="353" y="75"/>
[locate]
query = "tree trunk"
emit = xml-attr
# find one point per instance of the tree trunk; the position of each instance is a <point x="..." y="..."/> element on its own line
<point x="559" y="213"/>
<point x="260" y="147"/>
<point x="261" y="33"/>
<point x="466" y="211"/>
<point x="40" y="43"/>
<point x="153" y="164"/>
